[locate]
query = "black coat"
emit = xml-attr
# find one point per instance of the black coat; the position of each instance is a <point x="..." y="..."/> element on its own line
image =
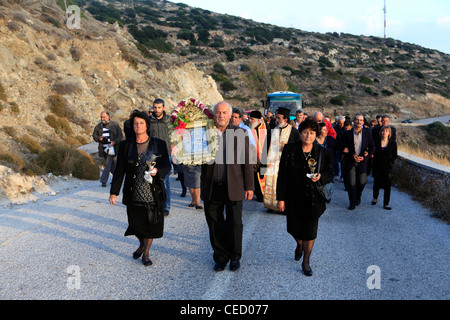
<point x="347" y="141"/>
<point x="126" y="166"/>
<point x="383" y="160"/>
<point x="298" y="191"/>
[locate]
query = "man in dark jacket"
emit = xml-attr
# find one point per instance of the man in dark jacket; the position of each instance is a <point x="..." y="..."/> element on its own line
<point x="108" y="134"/>
<point x="224" y="184"/>
<point x="357" y="146"/>
<point x="159" y="128"/>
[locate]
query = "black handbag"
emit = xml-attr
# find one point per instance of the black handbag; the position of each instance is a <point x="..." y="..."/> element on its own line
<point x="325" y="191"/>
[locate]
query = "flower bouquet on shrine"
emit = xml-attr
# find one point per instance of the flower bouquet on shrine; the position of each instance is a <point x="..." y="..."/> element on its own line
<point x="193" y="134"/>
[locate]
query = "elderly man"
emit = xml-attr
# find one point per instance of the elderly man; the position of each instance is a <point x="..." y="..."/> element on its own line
<point x="283" y="134"/>
<point x="318" y="116"/>
<point x="224" y="185"/>
<point x="357" y="146"/>
<point x="108" y="134"/>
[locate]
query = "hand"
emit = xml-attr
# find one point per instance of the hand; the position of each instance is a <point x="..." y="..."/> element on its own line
<point x="112" y="199"/>
<point x="345" y="150"/>
<point x="316" y="178"/>
<point x="153" y="172"/>
<point x="248" y="195"/>
<point x="281" y="206"/>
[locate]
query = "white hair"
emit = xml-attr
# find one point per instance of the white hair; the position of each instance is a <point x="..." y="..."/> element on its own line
<point x="231" y="108"/>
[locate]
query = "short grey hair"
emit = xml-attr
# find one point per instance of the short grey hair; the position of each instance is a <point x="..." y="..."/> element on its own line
<point x="214" y="108"/>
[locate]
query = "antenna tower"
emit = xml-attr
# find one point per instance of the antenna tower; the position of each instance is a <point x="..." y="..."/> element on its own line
<point x="384" y="10"/>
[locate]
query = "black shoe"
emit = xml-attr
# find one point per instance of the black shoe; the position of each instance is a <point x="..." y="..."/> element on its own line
<point x="374" y="202"/>
<point x="234" y="265"/>
<point x="146" y="261"/>
<point x="191" y="205"/>
<point x="183" y="194"/>
<point x="104" y="185"/>
<point x="198" y="207"/>
<point x="166" y="213"/>
<point x="137" y="254"/>
<point x="219" y="266"/>
<point x="351" y="207"/>
<point x="306" y="272"/>
<point x="358" y="201"/>
<point x="298" y="253"/>
<point x="386" y="207"/>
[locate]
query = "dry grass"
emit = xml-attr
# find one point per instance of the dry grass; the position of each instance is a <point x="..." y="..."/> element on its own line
<point x="442" y="160"/>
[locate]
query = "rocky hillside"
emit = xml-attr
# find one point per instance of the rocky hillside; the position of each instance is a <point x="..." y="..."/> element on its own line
<point x="54" y="82"/>
<point x="338" y="73"/>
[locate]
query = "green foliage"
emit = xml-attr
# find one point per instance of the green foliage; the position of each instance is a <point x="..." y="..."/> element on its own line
<point x="104" y="13"/>
<point x="438" y="133"/>
<point x="61" y="160"/>
<point x="219" y="68"/>
<point x="365" y="80"/>
<point x="324" y="61"/>
<point x="339" y="100"/>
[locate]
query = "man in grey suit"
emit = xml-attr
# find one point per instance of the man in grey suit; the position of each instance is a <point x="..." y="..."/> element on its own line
<point x="224" y="185"/>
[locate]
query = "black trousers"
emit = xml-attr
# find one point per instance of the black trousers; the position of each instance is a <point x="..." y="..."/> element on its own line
<point x="383" y="182"/>
<point x="225" y="227"/>
<point x="354" y="183"/>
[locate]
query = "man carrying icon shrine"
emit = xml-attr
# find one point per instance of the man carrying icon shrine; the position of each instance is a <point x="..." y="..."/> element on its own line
<point x="281" y="135"/>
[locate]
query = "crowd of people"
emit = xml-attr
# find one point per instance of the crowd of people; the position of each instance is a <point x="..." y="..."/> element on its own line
<point x="293" y="161"/>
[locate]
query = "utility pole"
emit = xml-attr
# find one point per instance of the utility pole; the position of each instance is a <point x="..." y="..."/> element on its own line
<point x="384" y="10"/>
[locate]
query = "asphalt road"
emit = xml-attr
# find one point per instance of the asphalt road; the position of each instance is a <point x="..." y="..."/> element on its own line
<point x="71" y="247"/>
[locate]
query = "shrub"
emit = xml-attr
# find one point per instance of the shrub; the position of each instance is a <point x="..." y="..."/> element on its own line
<point x="227" y="85"/>
<point x="58" y="105"/>
<point x="3" y="93"/>
<point x="438" y="133"/>
<point x="14" y="107"/>
<point x="365" y="80"/>
<point x="61" y="125"/>
<point x="67" y="87"/>
<point x="219" y="68"/>
<point x="338" y="100"/>
<point x="61" y="160"/>
<point x="325" y="62"/>
<point x="31" y="144"/>
<point x="76" y="53"/>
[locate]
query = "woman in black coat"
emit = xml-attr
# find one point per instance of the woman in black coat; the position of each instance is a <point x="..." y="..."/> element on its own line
<point x="297" y="194"/>
<point x="383" y="161"/>
<point x="144" y="200"/>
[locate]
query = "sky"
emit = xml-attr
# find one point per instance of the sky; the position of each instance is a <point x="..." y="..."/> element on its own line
<point x="425" y="23"/>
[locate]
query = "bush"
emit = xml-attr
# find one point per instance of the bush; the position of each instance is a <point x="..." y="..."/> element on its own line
<point x="58" y="105"/>
<point x="61" y="160"/>
<point x="61" y="125"/>
<point x="76" y="53"/>
<point x="438" y="133"/>
<point x="14" y="107"/>
<point x="31" y="144"/>
<point x="227" y="85"/>
<point x="3" y="93"/>
<point x="338" y="100"/>
<point x="325" y="62"/>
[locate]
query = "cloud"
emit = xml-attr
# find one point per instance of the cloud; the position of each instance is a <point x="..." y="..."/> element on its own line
<point x="332" y="24"/>
<point x="443" y="22"/>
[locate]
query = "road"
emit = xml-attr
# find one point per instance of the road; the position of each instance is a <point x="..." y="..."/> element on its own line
<point x="71" y="247"/>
